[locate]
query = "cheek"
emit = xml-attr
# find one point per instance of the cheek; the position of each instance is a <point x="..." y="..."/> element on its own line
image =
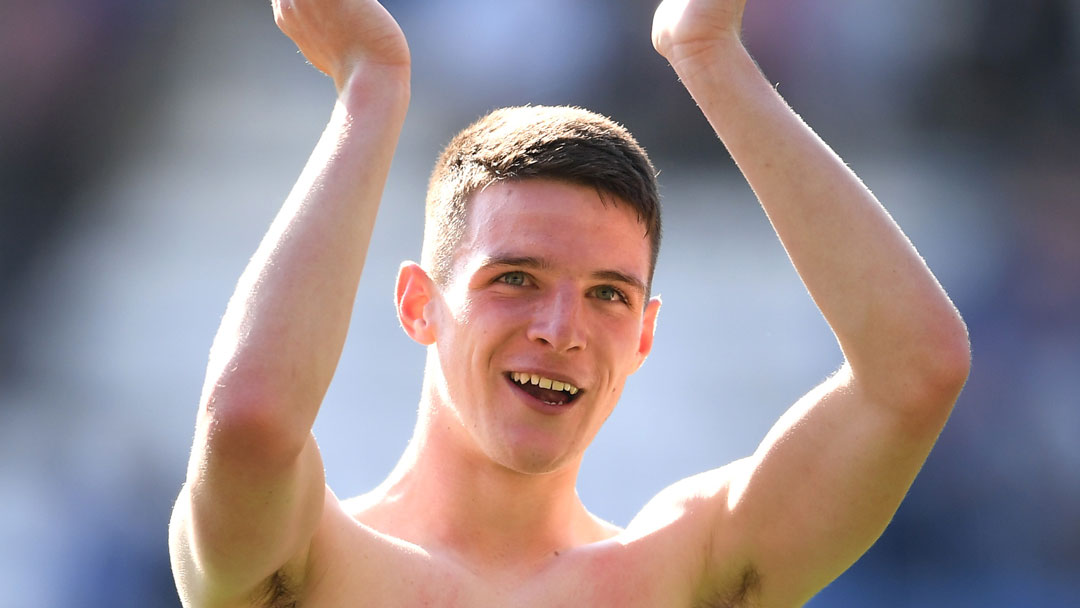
<point x="479" y="329"/>
<point x="621" y="334"/>
<point x="493" y="315"/>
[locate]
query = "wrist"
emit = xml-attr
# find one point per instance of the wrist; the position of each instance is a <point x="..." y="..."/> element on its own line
<point x="699" y="61"/>
<point x="730" y="89"/>
<point x="374" y="85"/>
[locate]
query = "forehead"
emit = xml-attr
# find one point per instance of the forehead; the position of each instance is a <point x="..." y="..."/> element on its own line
<point x="571" y="224"/>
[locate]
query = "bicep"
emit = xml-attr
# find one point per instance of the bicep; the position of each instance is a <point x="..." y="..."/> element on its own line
<point x="238" y="521"/>
<point x="822" y="486"/>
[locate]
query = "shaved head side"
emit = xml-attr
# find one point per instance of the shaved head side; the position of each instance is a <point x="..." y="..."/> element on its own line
<point x="539" y="142"/>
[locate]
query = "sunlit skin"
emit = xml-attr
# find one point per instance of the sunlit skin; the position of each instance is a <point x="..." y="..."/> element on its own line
<point x="549" y="279"/>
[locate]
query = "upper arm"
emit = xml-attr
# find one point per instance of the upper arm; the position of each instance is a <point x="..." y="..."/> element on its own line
<point x="822" y="486"/>
<point x="819" y="490"/>
<point x="244" y="514"/>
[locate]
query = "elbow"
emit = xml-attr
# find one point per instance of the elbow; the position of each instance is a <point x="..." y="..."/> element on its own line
<point x="950" y="359"/>
<point x="919" y="377"/>
<point x="937" y="373"/>
<point x="248" y="421"/>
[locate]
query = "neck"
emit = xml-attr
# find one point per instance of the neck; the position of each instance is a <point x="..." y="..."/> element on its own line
<point x="444" y="496"/>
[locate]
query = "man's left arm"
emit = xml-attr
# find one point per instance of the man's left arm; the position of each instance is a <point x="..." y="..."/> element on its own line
<point x="826" y="480"/>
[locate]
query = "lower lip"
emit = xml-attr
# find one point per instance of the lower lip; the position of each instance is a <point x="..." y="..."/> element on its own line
<point x="540" y="406"/>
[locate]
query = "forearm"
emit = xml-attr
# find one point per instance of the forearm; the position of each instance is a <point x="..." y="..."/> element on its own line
<point x="256" y="489"/>
<point x="890" y="315"/>
<point x="285" y="326"/>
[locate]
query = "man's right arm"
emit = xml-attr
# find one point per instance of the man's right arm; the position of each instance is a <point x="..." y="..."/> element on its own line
<point x="255" y="487"/>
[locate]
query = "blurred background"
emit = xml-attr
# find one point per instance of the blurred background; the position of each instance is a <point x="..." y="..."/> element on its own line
<point x="145" y="146"/>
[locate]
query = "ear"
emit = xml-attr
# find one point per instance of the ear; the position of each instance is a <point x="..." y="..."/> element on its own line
<point x="648" y="329"/>
<point x="414" y="291"/>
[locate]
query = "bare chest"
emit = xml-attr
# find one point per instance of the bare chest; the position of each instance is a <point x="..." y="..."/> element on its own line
<point x="597" y="578"/>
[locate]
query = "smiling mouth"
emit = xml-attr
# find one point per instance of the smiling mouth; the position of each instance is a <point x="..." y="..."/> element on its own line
<point x="551" y="392"/>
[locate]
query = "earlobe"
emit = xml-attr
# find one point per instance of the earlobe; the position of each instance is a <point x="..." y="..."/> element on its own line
<point x="414" y="291"/>
<point x="648" y="328"/>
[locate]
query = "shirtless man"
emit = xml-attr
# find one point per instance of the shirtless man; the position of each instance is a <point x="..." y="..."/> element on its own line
<point x="544" y="279"/>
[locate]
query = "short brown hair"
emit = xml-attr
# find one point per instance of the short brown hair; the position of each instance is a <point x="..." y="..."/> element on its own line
<point x="562" y="143"/>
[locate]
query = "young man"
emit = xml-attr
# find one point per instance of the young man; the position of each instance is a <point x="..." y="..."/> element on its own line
<point x="533" y="301"/>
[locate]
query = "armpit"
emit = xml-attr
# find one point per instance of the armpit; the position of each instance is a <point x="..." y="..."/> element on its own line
<point x="743" y="594"/>
<point x="277" y="592"/>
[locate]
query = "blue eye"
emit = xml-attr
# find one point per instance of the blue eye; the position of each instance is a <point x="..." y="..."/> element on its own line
<point x="609" y="293"/>
<point x="516" y="279"/>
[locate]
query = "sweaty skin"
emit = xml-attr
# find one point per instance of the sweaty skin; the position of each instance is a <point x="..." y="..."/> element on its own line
<point x="548" y="280"/>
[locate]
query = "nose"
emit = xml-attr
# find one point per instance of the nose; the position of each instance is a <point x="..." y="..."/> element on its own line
<point x="558" y="320"/>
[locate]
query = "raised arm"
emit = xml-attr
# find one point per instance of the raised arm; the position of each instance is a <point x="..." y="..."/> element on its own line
<point x="827" y="479"/>
<point x="255" y="488"/>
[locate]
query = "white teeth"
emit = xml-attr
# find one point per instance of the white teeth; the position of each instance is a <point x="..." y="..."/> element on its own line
<point x="542" y="382"/>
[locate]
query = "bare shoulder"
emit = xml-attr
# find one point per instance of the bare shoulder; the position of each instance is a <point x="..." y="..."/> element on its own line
<point x="694" y="500"/>
<point x="350" y="532"/>
<point x="688" y="525"/>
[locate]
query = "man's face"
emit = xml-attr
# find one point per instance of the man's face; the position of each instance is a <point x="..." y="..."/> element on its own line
<point x="544" y="318"/>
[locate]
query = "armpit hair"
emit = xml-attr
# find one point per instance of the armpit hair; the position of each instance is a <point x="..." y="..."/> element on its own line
<point x="276" y="592"/>
<point x="742" y="595"/>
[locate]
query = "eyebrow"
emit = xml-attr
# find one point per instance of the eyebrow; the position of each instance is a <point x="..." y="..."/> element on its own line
<point x="494" y="261"/>
<point x="497" y="260"/>
<point x="621" y="277"/>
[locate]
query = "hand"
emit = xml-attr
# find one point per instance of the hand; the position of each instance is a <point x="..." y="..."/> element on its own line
<point x="339" y="37"/>
<point x="683" y="29"/>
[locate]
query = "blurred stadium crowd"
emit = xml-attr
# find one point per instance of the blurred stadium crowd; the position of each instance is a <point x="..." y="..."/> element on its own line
<point x="970" y="107"/>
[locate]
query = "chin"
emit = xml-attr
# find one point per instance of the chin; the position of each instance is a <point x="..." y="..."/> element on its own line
<point x="533" y="461"/>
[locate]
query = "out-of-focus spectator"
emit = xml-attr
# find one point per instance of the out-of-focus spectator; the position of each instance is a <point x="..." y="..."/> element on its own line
<point x="1015" y="79"/>
<point x="74" y="75"/>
